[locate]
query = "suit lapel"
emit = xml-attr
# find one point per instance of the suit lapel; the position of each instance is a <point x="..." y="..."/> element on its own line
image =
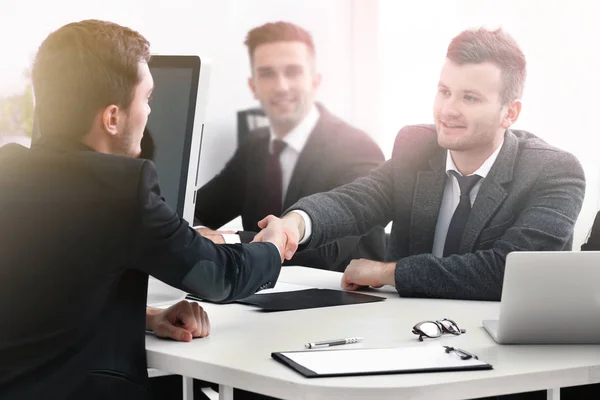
<point x="492" y="193"/>
<point x="429" y="190"/>
<point x="256" y="160"/>
<point x="313" y="150"/>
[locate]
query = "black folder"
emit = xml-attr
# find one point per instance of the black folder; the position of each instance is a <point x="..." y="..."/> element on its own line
<point x="309" y="298"/>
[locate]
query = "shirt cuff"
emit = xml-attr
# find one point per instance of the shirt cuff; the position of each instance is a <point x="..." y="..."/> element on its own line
<point x="307" y="226"/>
<point x="231" y="238"/>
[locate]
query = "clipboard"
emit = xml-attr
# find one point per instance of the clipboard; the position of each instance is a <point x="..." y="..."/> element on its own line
<point x="378" y="361"/>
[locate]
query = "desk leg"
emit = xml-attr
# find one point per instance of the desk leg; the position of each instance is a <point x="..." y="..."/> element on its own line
<point x="553" y="394"/>
<point x="188" y="388"/>
<point x="225" y="392"/>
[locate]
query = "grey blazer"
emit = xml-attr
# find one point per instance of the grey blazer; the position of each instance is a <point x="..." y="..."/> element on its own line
<point x="530" y="200"/>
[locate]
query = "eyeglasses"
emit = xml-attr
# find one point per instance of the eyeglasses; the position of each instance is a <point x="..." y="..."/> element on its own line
<point x="435" y="329"/>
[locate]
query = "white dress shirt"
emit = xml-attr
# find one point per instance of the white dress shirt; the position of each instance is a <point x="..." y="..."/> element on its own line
<point x="450" y="201"/>
<point x="451" y="198"/>
<point x="295" y="141"/>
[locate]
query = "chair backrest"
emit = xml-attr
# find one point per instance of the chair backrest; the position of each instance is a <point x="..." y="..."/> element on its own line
<point x="250" y="120"/>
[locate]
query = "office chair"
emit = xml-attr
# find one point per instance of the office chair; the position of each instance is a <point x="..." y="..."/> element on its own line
<point x="249" y="120"/>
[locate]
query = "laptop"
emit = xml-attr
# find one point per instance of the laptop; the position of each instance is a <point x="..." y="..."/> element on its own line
<point x="549" y="298"/>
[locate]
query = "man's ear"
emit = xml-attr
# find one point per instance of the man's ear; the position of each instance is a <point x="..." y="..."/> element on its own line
<point x="512" y="114"/>
<point x="110" y="119"/>
<point x="317" y="80"/>
<point x="252" y="86"/>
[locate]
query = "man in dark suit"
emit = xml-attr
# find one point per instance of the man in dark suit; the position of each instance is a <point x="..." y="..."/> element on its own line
<point x="462" y="193"/>
<point x="83" y="224"/>
<point x="305" y="150"/>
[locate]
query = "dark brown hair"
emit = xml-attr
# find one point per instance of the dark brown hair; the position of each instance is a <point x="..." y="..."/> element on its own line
<point x="497" y="47"/>
<point x="277" y="32"/>
<point x="82" y="68"/>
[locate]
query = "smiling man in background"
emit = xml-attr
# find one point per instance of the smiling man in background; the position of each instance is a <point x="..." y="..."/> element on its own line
<point x="305" y="150"/>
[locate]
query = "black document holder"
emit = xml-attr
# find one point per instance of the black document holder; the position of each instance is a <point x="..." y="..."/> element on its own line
<point x="309" y="298"/>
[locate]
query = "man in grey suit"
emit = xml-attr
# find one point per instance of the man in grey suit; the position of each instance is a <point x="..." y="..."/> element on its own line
<point x="461" y="194"/>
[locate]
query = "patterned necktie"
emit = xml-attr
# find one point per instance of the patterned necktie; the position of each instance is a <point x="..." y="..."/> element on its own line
<point x="461" y="214"/>
<point x="273" y="181"/>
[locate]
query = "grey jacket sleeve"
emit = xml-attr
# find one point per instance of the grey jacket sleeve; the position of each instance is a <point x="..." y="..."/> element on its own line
<point x="350" y="210"/>
<point x="175" y="253"/>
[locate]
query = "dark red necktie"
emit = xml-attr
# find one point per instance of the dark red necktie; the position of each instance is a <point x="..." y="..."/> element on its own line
<point x="273" y="181"/>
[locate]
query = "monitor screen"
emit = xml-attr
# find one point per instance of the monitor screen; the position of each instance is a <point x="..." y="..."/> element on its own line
<point x="169" y="131"/>
<point x="173" y="135"/>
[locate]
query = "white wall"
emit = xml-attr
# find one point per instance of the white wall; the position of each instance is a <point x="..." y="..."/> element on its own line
<point x="209" y="28"/>
<point x="380" y="59"/>
<point x="559" y="39"/>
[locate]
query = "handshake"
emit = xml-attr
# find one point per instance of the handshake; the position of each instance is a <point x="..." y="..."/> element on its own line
<point x="285" y="233"/>
<point x="288" y="231"/>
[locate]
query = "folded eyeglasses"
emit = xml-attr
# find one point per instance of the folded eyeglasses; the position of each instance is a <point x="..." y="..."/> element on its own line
<point x="435" y="329"/>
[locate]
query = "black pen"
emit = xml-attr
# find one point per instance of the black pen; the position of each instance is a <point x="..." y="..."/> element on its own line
<point x="335" y="342"/>
<point x="464" y="355"/>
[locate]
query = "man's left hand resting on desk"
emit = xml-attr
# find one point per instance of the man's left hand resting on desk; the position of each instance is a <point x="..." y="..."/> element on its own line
<point x="182" y="321"/>
<point x="363" y="272"/>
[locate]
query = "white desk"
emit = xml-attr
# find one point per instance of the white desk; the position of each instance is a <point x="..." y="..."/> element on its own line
<point x="238" y="351"/>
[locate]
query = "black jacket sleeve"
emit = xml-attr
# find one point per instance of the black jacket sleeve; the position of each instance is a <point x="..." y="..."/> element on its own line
<point x="176" y="254"/>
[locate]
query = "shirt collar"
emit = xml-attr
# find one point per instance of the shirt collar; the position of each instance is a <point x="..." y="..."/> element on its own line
<point x="481" y="171"/>
<point x="297" y="137"/>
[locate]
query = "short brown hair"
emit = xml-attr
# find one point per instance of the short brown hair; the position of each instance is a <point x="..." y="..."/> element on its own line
<point x="277" y="32"/>
<point x="80" y="69"/>
<point x="498" y="47"/>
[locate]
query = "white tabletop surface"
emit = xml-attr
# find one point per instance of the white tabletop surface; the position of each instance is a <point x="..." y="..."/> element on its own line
<point x="238" y="351"/>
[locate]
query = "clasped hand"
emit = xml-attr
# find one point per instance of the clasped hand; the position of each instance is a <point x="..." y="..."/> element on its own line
<point x="282" y="232"/>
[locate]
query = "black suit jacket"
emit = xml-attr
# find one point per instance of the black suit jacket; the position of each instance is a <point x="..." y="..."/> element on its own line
<point x="79" y="233"/>
<point x="335" y="154"/>
<point x="593" y="241"/>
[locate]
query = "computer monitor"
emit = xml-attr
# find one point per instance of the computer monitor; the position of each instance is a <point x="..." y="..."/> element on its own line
<point x="173" y="135"/>
<point x="173" y="138"/>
